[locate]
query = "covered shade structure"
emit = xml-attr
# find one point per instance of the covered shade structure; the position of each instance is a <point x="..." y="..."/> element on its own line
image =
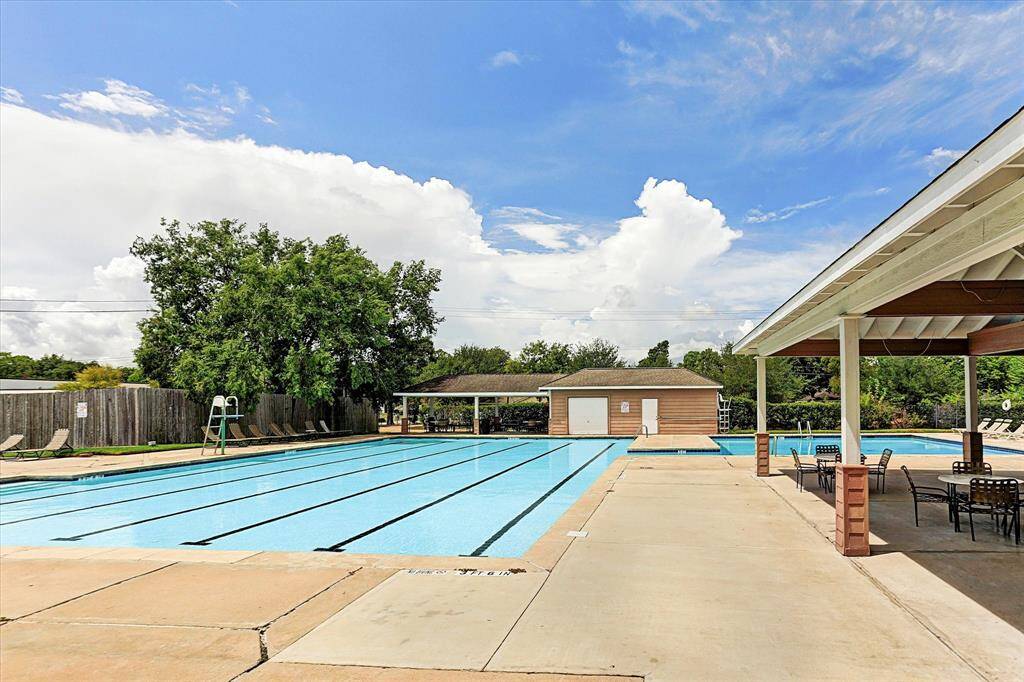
<point x="943" y="275"/>
<point x="476" y="386"/>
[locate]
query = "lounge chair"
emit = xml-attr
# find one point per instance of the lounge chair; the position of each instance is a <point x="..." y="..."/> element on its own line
<point x="257" y="432"/>
<point x="239" y="435"/>
<point x="290" y="430"/>
<point x="982" y="427"/>
<point x="311" y="429"/>
<point x="213" y="436"/>
<point x="12" y="442"/>
<point x="329" y="432"/>
<point x="922" y="493"/>
<point x="878" y="470"/>
<point x="279" y="432"/>
<point x="998" y="426"/>
<point x="1015" y="434"/>
<point x="804" y="468"/>
<point x="58" y="444"/>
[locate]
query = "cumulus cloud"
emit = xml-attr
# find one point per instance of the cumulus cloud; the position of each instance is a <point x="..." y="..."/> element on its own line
<point x="675" y="253"/>
<point x="11" y="95"/>
<point x="756" y="215"/>
<point x="505" y="58"/>
<point x="940" y="158"/>
<point x="118" y="98"/>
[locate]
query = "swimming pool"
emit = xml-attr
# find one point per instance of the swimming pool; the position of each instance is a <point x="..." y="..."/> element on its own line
<point x="480" y="497"/>
<point x="869" y="445"/>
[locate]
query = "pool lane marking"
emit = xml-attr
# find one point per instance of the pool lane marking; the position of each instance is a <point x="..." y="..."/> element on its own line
<point x="338" y="546"/>
<point x="207" y="471"/>
<point x="536" y="503"/>
<point x="73" y="538"/>
<point x="214" y="484"/>
<point x="206" y="541"/>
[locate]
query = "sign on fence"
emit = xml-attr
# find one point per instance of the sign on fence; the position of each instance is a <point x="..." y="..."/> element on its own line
<point x="81" y="410"/>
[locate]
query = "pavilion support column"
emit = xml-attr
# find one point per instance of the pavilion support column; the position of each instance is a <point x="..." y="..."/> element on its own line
<point x="761" y="438"/>
<point x="852" y="527"/>
<point x="476" y="415"/>
<point x="973" y="448"/>
<point x="405" y="414"/>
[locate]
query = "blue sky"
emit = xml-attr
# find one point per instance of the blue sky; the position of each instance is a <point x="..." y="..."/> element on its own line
<point x="803" y="124"/>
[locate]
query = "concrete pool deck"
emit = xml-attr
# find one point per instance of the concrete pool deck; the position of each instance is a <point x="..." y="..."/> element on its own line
<point x="677" y="568"/>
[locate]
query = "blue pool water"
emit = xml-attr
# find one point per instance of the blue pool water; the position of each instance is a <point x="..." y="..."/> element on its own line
<point x="487" y="497"/>
<point x="870" y="445"/>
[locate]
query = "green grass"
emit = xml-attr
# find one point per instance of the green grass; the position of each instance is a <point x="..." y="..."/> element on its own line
<point x="133" y="449"/>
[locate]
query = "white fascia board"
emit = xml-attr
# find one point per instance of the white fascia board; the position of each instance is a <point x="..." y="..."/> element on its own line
<point x="625" y="388"/>
<point x="997" y="149"/>
<point x="477" y="394"/>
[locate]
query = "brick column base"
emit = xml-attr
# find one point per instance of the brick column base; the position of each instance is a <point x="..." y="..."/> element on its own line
<point x="852" y="510"/>
<point x="476" y="426"/>
<point x="405" y="425"/>
<point x="973" y="451"/>
<point x="761" y="451"/>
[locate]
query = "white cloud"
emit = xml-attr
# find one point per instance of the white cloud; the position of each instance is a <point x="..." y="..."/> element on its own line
<point x="691" y="14"/>
<point x="117" y="184"/>
<point x="505" y="58"/>
<point x="11" y="95"/>
<point x="940" y="158"/>
<point x="756" y="215"/>
<point x="118" y="99"/>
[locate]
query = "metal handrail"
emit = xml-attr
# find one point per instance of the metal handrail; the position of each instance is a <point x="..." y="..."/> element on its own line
<point x="643" y="429"/>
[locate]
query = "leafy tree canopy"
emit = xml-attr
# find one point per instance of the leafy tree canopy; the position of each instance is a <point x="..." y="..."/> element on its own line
<point x="94" y="376"/>
<point x="657" y="356"/>
<point x="52" y="367"/>
<point x="466" y="359"/>
<point x="244" y="312"/>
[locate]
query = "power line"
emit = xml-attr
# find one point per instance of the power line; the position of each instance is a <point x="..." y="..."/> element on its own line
<point x="78" y="300"/>
<point x="59" y="312"/>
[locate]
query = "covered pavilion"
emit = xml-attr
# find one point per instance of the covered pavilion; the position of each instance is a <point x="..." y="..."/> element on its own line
<point x="942" y="275"/>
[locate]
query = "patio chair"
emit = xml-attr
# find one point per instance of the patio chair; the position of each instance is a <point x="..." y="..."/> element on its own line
<point x="311" y="429"/>
<point x="279" y="432"/>
<point x="982" y="427"/>
<point x="290" y="430"/>
<point x="11" y="443"/>
<point x="997" y="427"/>
<point x="878" y="470"/>
<point x="332" y="432"/>
<point x="237" y="434"/>
<point x="1015" y="434"/>
<point x="443" y="425"/>
<point x="257" y="432"/>
<point x="962" y="467"/>
<point x="58" y="444"/>
<point x="213" y="436"/>
<point x="999" y="498"/>
<point x="923" y="493"/>
<point x="804" y="468"/>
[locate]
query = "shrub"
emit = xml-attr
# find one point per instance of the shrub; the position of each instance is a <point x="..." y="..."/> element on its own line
<point x="94" y="376"/>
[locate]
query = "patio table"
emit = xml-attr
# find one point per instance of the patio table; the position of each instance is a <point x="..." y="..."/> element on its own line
<point x="953" y="480"/>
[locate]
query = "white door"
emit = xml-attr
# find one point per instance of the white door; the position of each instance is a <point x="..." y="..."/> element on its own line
<point x="649" y="415"/>
<point x="588" y="416"/>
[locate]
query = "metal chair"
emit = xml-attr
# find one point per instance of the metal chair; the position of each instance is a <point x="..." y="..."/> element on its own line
<point x="804" y="468"/>
<point x="999" y="498"/>
<point x="962" y="467"/>
<point x="878" y="470"/>
<point x="923" y="493"/>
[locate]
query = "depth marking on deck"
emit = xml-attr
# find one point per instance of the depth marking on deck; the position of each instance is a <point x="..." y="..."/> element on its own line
<point x="239" y="499"/>
<point x="536" y="503"/>
<point x="206" y="541"/>
<point x="337" y="547"/>
<point x="197" y="473"/>
<point x="216" y="483"/>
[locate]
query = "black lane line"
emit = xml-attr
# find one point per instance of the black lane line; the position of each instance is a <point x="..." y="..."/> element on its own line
<point x="337" y="547"/>
<point x="523" y="514"/>
<point x="206" y="541"/>
<point x="207" y="485"/>
<point x="204" y="471"/>
<point x="246" y="497"/>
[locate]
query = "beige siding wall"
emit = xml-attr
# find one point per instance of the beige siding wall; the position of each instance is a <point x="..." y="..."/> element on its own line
<point x="680" y="410"/>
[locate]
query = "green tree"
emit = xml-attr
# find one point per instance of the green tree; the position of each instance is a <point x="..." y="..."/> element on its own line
<point x="657" y="356"/>
<point x="707" y="363"/>
<point x="466" y="359"/>
<point x="738" y="373"/>
<point x="58" y="368"/>
<point x="541" y="356"/>
<point x="272" y="314"/>
<point x="17" y="366"/>
<point x="597" y="353"/>
<point x="94" y="376"/>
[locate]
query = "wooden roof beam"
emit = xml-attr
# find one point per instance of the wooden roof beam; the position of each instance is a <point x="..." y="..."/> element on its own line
<point x="1007" y="339"/>
<point x="957" y="298"/>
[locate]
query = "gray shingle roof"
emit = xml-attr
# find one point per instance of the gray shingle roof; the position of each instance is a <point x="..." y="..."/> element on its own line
<point x="673" y="377"/>
<point x="483" y="383"/>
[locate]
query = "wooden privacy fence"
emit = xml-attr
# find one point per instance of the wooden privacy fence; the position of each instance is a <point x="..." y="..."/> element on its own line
<point x="135" y="416"/>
